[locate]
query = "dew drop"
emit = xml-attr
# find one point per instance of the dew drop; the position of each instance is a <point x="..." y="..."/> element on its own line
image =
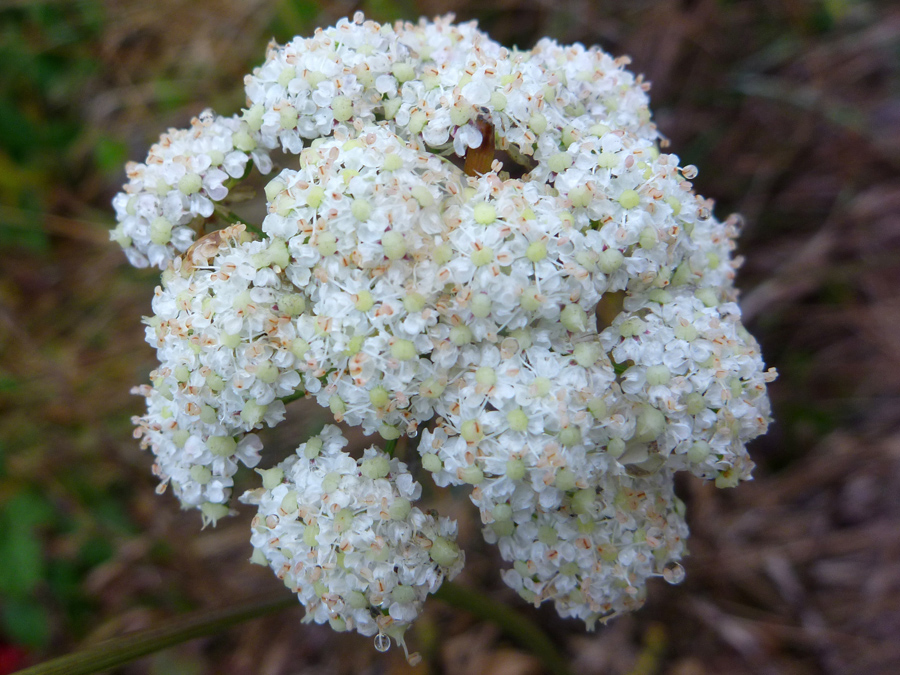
<point x="703" y="213"/>
<point x="690" y="171"/>
<point x="412" y="433"/>
<point x="382" y="642"/>
<point x="673" y="573"/>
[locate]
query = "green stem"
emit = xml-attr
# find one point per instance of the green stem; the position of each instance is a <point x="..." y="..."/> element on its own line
<point x="120" y="650"/>
<point x="516" y="626"/>
<point x="292" y="397"/>
<point x="390" y="446"/>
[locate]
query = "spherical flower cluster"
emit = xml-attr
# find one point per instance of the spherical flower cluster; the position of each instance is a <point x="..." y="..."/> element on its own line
<point x="343" y="534"/>
<point x="186" y="173"/>
<point x="482" y="245"/>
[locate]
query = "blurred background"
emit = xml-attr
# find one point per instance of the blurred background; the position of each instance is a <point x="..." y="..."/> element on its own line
<point x="791" y="109"/>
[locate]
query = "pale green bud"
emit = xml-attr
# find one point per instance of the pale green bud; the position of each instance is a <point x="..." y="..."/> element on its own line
<point x="212" y="512"/>
<point x="336" y="405"/>
<point x="470" y="430"/>
<point x="423" y="196"/>
<point x="648" y="238"/>
<point x="389" y="433"/>
<point x="326" y="243"/>
<point x="583" y="501"/>
<point x="461" y="335"/>
<point x="610" y="260"/>
<point x="288" y="117"/>
<point x="299" y="347"/>
<point x="597" y="407"/>
<point x="292" y="304"/>
<point x="267" y="372"/>
<point x="190" y="183"/>
<point x="253" y="116"/>
<point x="361" y="209"/>
<point x="547" y="535"/>
<point x="482" y="256"/>
<point x="658" y="375"/>
<point x="586" y="354"/>
<point x="310" y="533"/>
<point x="538" y="123"/>
<point x="444" y="552"/>
<point x="559" y="162"/>
<point x="375" y="467"/>
<point x="394" y="245"/>
<point x="471" y="474"/>
<point x="481" y="305"/>
<point x="379" y="397"/>
<point x="223" y="446"/>
<point x="313" y="447"/>
<point x="442" y="254"/>
<point x="253" y="413"/>
<point x="574" y="318"/>
<point x="400" y="509"/>
<point x="432" y="388"/>
<point x="536" y="251"/>
<point x="541" y="386"/>
<point x="707" y="296"/>
<point x="565" y="480"/>
<point x="271" y="478"/>
<point x="315" y="196"/>
<point x="342" y="108"/>
<point x="530" y="299"/>
<point x="695" y="403"/>
<point x="391" y="107"/>
<point x="403" y="350"/>
<point x="650" y="424"/>
<point x="515" y="469"/>
<point x="273" y="189"/>
<point x="517" y="419"/>
<point x="486" y="376"/>
<point x="432" y="463"/>
<point x="201" y="474"/>
<point x="615" y="447"/>
<point x="160" y="230"/>
<point x="392" y="162"/>
<point x="570" y="436"/>
<point x="698" y="452"/>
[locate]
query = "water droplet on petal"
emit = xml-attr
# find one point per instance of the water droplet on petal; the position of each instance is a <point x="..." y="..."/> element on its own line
<point x="673" y="573"/>
<point x="413" y="433"/>
<point x="703" y="213"/>
<point x="382" y="642"/>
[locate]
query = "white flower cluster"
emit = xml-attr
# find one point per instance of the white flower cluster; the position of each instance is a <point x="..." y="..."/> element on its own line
<point x="565" y="340"/>
<point x="185" y="174"/>
<point x="343" y="535"/>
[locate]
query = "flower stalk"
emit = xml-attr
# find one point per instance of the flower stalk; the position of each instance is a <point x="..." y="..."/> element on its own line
<point x="121" y="650"/>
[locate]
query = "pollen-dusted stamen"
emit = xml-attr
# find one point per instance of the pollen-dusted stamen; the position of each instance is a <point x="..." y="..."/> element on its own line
<point x="478" y="160"/>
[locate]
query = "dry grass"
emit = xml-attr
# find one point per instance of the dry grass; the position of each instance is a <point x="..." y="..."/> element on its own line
<point x="792" y="115"/>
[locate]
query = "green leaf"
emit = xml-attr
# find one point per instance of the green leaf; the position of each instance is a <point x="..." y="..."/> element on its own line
<point x="26" y="622"/>
<point x="21" y="562"/>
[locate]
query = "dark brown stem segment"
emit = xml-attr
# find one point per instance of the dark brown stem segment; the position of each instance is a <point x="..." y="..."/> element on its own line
<point x="479" y="160"/>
